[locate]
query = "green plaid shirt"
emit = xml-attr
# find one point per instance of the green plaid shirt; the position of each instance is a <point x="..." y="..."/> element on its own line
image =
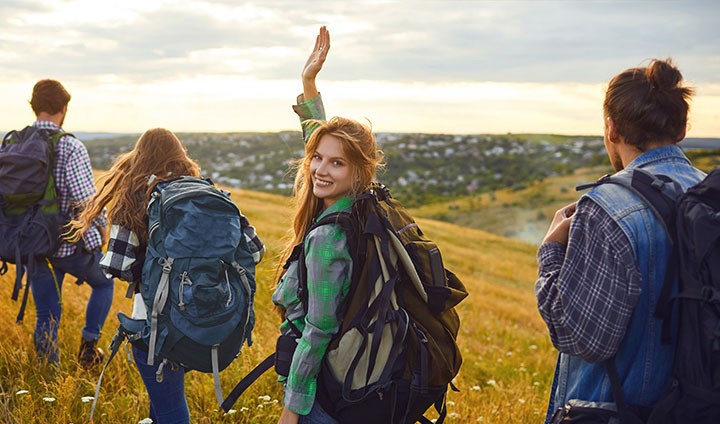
<point x="329" y="268"/>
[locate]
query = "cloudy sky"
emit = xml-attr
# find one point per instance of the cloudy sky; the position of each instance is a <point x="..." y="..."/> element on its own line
<point x="413" y="66"/>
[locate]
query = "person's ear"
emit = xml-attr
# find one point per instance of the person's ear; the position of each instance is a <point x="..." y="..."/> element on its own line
<point x="611" y="130"/>
<point x="681" y="136"/>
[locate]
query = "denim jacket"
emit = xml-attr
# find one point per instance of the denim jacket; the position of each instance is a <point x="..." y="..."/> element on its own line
<point x="643" y="363"/>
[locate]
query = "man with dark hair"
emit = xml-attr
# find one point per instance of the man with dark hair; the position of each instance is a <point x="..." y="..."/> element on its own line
<point x="75" y="186"/>
<point x="602" y="263"/>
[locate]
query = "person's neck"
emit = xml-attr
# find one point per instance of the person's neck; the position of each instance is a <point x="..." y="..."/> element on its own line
<point x="629" y="153"/>
<point x="56" y="119"/>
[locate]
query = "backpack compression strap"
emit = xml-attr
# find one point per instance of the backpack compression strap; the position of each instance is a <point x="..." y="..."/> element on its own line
<point x="247" y="381"/>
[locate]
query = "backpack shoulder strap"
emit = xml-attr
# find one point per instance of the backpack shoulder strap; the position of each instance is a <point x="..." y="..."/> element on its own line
<point x="658" y="191"/>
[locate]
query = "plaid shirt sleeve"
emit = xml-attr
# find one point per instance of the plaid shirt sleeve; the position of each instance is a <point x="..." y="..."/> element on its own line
<point x="256" y="246"/>
<point x="124" y="258"/>
<point x="329" y="268"/>
<point x="587" y="294"/>
<point x="77" y="178"/>
<point x="312" y="109"/>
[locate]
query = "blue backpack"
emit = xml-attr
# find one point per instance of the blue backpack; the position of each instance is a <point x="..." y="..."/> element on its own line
<point x="30" y="219"/>
<point x="198" y="281"/>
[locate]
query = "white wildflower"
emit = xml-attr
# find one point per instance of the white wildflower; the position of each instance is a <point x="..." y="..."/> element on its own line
<point x="146" y="421"/>
<point x="230" y="412"/>
<point x="260" y="406"/>
<point x="521" y="401"/>
<point x="86" y="399"/>
<point x="475" y="388"/>
<point x="265" y="398"/>
<point x="533" y="347"/>
<point x="453" y="415"/>
<point x="22" y="392"/>
<point x="492" y="382"/>
<point x="450" y="403"/>
<point x="49" y="399"/>
<point x="244" y="409"/>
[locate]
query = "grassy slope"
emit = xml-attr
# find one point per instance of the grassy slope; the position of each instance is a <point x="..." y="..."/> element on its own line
<point x="523" y="214"/>
<point x="505" y="377"/>
<point x="526" y="214"/>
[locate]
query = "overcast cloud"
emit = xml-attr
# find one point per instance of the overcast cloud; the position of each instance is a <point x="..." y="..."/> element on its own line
<point x="394" y="41"/>
<point x="138" y="44"/>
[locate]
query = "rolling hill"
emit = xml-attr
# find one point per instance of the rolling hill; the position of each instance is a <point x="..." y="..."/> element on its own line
<point x="505" y="376"/>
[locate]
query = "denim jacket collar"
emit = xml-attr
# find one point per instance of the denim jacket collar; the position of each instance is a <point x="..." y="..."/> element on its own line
<point x="656" y="154"/>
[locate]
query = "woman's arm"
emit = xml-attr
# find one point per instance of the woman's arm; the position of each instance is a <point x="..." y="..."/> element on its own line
<point x="124" y="258"/>
<point x="314" y="64"/>
<point x="309" y="104"/>
<point x="329" y="269"/>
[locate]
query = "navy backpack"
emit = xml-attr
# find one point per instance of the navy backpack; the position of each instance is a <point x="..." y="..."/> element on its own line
<point x="30" y="220"/>
<point x="198" y="281"/>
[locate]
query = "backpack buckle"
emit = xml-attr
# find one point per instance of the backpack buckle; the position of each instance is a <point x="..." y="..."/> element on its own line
<point x="710" y="294"/>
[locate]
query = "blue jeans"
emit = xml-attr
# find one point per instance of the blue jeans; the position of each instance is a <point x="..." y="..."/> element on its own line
<point x="84" y="265"/>
<point x="167" y="399"/>
<point x="317" y="415"/>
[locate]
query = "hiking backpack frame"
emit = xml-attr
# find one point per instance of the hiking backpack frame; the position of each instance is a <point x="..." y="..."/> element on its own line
<point x="692" y="222"/>
<point x="31" y="223"/>
<point x="401" y="291"/>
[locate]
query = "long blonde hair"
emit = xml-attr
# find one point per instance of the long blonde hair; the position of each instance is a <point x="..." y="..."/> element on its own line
<point x="363" y="155"/>
<point x="124" y="190"/>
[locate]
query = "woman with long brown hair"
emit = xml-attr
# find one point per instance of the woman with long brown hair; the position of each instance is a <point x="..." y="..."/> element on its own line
<point x="340" y="161"/>
<point x="125" y="190"/>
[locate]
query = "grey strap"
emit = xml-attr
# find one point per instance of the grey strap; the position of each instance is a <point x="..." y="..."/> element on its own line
<point x="243" y="277"/>
<point x="161" y="296"/>
<point x="216" y="374"/>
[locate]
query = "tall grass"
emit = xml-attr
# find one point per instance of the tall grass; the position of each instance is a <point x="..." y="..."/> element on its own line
<point x="508" y="360"/>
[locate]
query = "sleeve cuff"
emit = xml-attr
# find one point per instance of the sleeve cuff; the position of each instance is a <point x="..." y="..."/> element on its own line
<point x="311" y="109"/>
<point x="550" y="256"/>
<point x="300" y="403"/>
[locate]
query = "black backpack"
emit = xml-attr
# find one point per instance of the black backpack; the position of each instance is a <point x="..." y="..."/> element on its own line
<point x="30" y="219"/>
<point x="401" y="291"/>
<point x="692" y="221"/>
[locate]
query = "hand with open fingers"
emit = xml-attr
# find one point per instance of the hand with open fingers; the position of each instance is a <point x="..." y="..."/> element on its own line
<point x="317" y="57"/>
<point x="560" y="227"/>
<point x="314" y="64"/>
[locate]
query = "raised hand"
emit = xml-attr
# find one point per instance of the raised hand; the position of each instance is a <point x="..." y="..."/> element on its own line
<point x="314" y="63"/>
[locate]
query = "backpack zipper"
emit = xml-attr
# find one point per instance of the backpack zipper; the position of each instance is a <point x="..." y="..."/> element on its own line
<point x="227" y="280"/>
<point x="184" y="279"/>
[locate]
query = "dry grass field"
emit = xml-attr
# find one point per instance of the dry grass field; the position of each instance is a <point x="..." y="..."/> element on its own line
<point x="505" y="378"/>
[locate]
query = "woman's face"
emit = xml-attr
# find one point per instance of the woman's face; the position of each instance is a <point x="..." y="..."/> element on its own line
<point x="330" y="171"/>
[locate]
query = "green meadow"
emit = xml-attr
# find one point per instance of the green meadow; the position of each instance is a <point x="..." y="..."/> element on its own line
<point x="506" y="374"/>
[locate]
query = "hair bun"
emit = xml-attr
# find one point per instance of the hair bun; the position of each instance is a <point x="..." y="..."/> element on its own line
<point x="663" y="75"/>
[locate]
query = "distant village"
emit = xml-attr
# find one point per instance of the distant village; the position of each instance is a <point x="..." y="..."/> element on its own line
<point x="420" y="168"/>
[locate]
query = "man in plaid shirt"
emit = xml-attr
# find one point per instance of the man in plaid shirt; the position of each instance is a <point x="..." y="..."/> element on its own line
<point x="602" y="263"/>
<point x="75" y="186"/>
